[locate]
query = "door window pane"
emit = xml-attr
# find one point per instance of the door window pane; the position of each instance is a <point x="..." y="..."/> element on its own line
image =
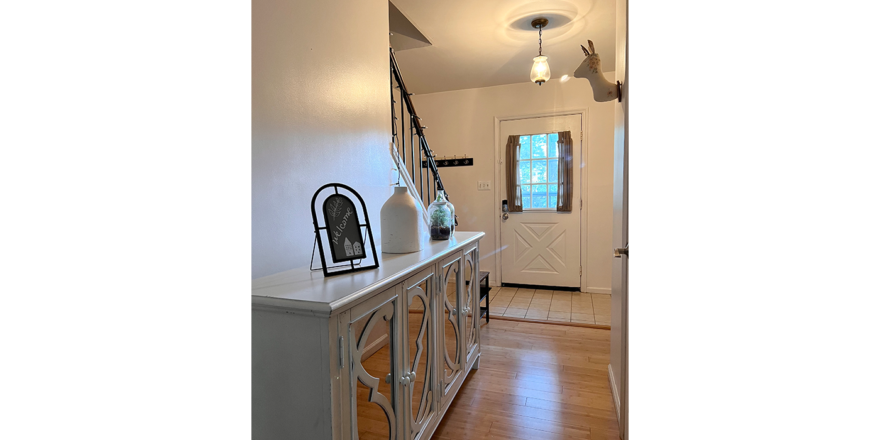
<point x="540" y="201"/>
<point x="539" y="171"/>
<point x="539" y="196"/>
<point x="539" y="146"/>
<point x="553" y="201"/>
<point x="552" y="144"/>
<point x="553" y="173"/>
<point x="525" y="200"/>
<point x="525" y="172"/>
<point x="526" y="189"/>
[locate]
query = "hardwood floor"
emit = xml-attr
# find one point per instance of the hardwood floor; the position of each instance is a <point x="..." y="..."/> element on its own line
<point x="536" y="382"/>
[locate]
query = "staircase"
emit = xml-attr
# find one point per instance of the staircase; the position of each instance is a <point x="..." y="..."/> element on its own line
<point x="410" y="151"/>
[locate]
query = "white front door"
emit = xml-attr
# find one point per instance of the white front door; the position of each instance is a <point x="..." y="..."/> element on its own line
<point x="541" y="246"/>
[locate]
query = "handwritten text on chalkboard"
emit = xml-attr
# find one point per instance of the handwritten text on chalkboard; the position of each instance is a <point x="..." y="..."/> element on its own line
<point x="343" y="227"/>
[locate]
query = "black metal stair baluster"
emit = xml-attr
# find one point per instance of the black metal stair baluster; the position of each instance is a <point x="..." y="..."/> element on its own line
<point x="412" y="148"/>
<point x="402" y="129"/>
<point x="421" y="170"/>
<point x="393" y="118"/>
<point x="395" y="139"/>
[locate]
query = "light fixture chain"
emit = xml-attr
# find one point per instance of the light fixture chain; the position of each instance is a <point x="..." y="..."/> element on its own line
<point x="540" y="39"/>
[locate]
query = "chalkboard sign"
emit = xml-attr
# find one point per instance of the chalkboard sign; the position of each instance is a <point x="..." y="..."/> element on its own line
<point x="344" y="229"/>
<point x="336" y="213"/>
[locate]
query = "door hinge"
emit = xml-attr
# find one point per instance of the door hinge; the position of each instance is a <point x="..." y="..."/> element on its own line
<point x="341" y="353"/>
<point x="582" y="135"/>
<point x="581" y="271"/>
<point x="582" y="203"/>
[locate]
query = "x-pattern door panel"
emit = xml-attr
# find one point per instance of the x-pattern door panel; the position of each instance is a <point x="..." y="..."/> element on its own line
<point x="544" y="252"/>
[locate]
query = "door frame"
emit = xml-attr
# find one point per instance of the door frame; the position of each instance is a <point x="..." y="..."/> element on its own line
<point x="500" y="195"/>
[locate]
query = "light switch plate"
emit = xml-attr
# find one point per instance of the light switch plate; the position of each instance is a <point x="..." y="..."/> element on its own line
<point x="484" y="186"/>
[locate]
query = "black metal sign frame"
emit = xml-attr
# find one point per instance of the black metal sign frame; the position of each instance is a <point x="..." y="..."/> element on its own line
<point x="355" y="262"/>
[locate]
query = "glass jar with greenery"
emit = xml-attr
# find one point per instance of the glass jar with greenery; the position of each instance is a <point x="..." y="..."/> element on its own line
<point x="441" y="193"/>
<point x="440" y="219"/>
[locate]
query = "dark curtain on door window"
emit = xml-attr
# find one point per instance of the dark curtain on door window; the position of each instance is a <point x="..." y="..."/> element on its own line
<point x="563" y="203"/>
<point x="514" y="195"/>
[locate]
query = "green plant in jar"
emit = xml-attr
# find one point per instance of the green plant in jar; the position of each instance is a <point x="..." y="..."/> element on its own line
<point x="440" y="219"/>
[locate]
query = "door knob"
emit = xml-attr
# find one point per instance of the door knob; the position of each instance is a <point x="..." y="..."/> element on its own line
<point x="621" y="251"/>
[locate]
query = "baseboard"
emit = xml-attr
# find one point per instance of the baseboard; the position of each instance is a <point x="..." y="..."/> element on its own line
<point x="606" y="290"/>
<point x="541" y="287"/>
<point x="614" y="393"/>
<point x="375" y="346"/>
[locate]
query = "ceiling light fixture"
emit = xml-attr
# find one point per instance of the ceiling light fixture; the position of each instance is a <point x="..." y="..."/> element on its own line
<point x="540" y="70"/>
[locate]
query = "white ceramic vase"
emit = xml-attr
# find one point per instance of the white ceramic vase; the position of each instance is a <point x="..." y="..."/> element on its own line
<point x="400" y="217"/>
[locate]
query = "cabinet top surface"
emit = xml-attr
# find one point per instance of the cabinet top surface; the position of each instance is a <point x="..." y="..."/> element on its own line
<point x="306" y="290"/>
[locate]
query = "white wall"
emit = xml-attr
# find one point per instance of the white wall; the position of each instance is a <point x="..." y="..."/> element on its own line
<point x="320" y="114"/>
<point x="463" y="121"/>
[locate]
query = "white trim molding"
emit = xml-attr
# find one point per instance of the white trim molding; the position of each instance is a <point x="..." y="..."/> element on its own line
<point x="614" y="392"/>
<point x="605" y="290"/>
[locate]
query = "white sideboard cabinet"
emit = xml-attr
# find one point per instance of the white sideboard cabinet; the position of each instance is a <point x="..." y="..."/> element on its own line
<point x="378" y="354"/>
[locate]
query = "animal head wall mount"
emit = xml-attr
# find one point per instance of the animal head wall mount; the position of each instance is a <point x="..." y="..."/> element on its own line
<point x="591" y="69"/>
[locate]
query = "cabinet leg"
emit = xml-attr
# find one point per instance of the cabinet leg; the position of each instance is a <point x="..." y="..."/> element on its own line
<point x="476" y="364"/>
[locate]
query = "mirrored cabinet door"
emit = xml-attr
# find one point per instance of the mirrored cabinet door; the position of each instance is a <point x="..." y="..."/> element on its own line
<point x="451" y="308"/>
<point x="471" y="298"/>
<point x="419" y="353"/>
<point x="376" y="376"/>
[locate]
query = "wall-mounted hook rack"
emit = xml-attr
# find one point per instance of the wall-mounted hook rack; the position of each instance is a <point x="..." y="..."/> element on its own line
<point x="453" y="161"/>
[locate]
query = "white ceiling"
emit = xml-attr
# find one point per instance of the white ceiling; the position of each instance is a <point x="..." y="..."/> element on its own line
<point x="481" y="43"/>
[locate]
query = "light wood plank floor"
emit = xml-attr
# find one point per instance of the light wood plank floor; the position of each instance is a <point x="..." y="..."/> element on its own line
<point x="536" y="382"/>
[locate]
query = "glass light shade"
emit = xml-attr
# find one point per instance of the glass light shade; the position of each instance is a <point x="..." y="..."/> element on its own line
<point x="540" y="70"/>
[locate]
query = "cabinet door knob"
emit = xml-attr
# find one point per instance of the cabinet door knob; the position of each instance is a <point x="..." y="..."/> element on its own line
<point x="405" y="380"/>
<point x="412" y="376"/>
